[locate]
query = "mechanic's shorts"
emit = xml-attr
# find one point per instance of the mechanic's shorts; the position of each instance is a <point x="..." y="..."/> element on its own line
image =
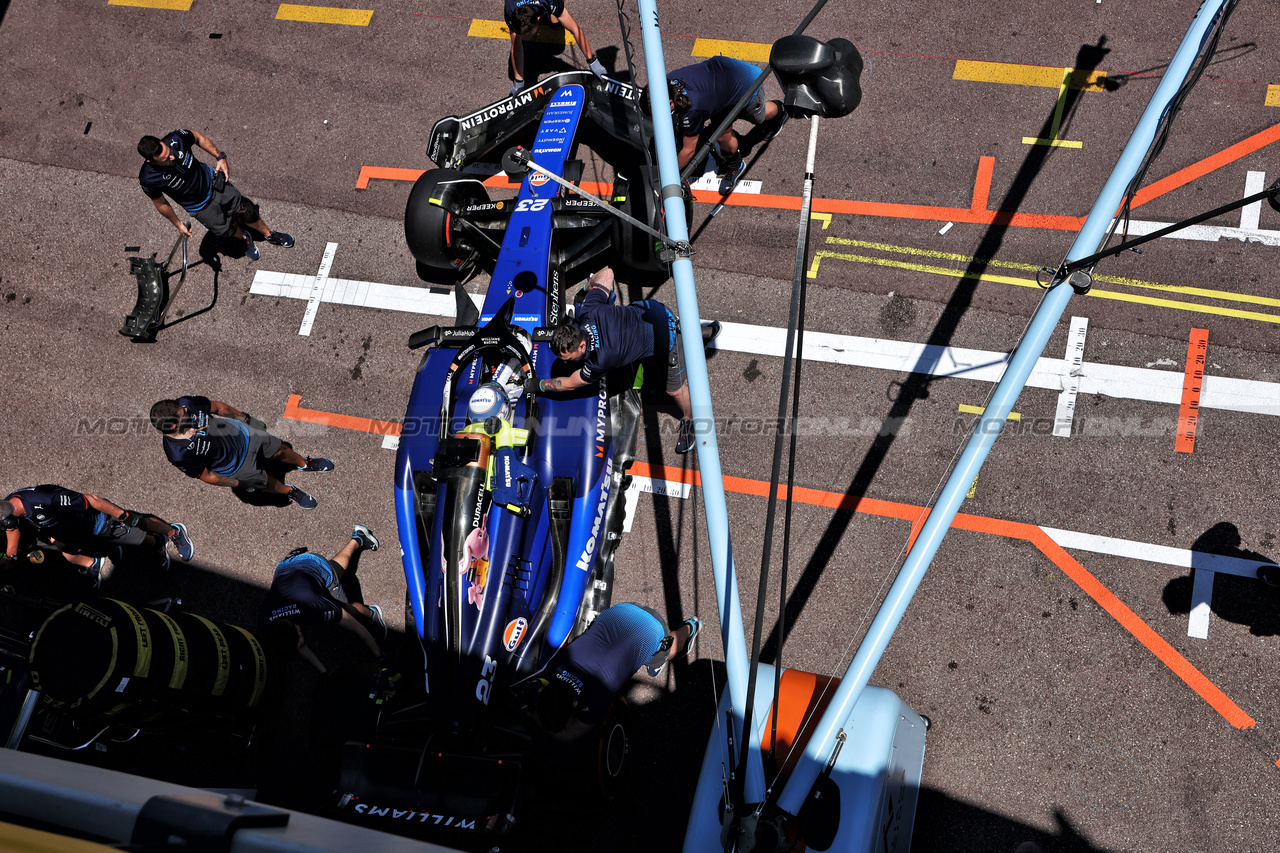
<point x="262" y="446"/>
<point x="665" y="367"/>
<point x="224" y="204"/>
<point x="116" y="532"/>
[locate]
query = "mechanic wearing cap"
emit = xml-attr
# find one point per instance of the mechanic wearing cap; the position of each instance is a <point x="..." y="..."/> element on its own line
<point x="606" y="336"/>
<point x="703" y="94"/>
<point x="307" y="590"/>
<point x="585" y="676"/>
<point x="88" y="528"/>
<point x="523" y="18"/>
<point x="171" y="168"/>
<point x="223" y="446"/>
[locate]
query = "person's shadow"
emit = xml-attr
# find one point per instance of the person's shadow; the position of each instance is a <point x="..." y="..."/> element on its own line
<point x="1244" y="600"/>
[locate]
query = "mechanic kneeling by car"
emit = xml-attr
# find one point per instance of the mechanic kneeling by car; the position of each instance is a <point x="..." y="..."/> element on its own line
<point x="606" y="337"/>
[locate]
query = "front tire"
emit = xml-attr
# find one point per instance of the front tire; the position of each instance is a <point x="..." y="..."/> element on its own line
<point x="430" y="227"/>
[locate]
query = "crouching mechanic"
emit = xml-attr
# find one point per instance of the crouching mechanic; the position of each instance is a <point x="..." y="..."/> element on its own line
<point x="307" y="590"/>
<point x="585" y="676"/>
<point x="223" y="446"/>
<point x="171" y="168"/>
<point x="605" y="337"/>
<point x="86" y="528"/>
<point x="523" y="18"/>
<point x="703" y="94"/>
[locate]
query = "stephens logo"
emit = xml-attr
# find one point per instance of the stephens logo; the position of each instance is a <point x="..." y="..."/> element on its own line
<point x="514" y="633"/>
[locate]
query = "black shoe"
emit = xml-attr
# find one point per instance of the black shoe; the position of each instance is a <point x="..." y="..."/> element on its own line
<point x="685" y="442"/>
<point x="364" y="536"/>
<point x="250" y="251"/>
<point x="284" y="241"/>
<point x="729" y="174"/>
<point x="318" y="463"/>
<point x="301" y="498"/>
<point x="773" y="126"/>
<point x="716" y="328"/>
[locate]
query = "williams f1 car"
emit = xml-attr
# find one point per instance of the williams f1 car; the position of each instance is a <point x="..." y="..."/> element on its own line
<point x="509" y="504"/>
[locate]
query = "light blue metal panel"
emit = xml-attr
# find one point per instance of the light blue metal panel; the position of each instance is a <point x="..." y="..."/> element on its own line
<point x="877" y="773"/>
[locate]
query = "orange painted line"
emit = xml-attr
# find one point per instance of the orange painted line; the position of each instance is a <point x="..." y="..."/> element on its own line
<point x="1189" y="413"/>
<point x="1207" y="165"/>
<point x="385" y="173"/>
<point x="1092" y="587"/>
<point x="1156" y="644"/>
<point x="1193" y="378"/>
<point x="294" y="412"/>
<point x="982" y="184"/>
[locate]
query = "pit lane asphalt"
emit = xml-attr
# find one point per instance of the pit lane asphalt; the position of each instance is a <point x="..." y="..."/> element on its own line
<point x="1060" y="728"/>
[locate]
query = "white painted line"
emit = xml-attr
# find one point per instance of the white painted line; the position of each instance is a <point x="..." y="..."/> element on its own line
<point x="1206" y="233"/>
<point x="363" y="294"/>
<point x="1129" y="549"/>
<point x="1065" y="415"/>
<point x="670" y="488"/>
<point x="317" y="289"/>
<point x="1201" y="604"/>
<point x="945" y="228"/>
<point x="1127" y="383"/>
<point x="1254" y="182"/>
<point x="710" y="182"/>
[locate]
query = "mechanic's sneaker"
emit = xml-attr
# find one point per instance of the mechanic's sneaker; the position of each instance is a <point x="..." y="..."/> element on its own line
<point x="181" y="541"/>
<point x="250" y="250"/>
<point x="302" y="499"/>
<point x="773" y="126"/>
<point x="284" y="241"/>
<point x="685" y="442"/>
<point x="1270" y="575"/>
<point x="710" y="331"/>
<point x="695" y="625"/>
<point x="364" y="538"/>
<point x="318" y="463"/>
<point x="375" y="613"/>
<point x="94" y="571"/>
<point x="730" y="173"/>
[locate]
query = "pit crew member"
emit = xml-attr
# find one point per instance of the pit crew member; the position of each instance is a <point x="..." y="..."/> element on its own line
<point x="523" y="18"/>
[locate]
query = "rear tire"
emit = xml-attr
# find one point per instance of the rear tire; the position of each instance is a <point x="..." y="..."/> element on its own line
<point x="432" y="232"/>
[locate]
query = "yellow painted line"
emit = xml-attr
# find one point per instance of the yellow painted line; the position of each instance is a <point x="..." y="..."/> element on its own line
<point x="977" y="410"/>
<point x="324" y="15"/>
<point x="175" y="5"/>
<point x="973" y="489"/>
<point x="1052" y="143"/>
<point x="1026" y="75"/>
<point x="825" y="218"/>
<point x="751" y="51"/>
<point x="1109" y="279"/>
<point x="1028" y="282"/>
<point x="1273" y="95"/>
<point x="483" y="29"/>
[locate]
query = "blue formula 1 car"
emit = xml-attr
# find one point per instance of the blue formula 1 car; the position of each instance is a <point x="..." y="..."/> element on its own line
<point x="510" y="504"/>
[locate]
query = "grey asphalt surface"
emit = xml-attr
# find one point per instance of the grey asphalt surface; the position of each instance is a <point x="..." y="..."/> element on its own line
<point x="1052" y="721"/>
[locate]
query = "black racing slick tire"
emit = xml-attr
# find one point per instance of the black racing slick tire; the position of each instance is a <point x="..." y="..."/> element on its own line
<point x="430" y="226"/>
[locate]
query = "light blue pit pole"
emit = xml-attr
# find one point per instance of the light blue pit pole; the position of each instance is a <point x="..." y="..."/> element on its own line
<point x="735" y="647"/>
<point x="822" y="742"/>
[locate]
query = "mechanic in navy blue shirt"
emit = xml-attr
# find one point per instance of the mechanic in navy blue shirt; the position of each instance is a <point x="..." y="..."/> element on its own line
<point x="523" y="18"/>
<point x="585" y="676"/>
<point x="172" y="169"/>
<point x="223" y="446"/>
<point x="704" y="93"/>
<point x="306" y="591"/>
<point x="88" y="528"/>
<point x="605" y="336"/>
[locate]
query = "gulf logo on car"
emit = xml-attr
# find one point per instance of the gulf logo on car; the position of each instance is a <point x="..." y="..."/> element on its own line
<point x="514" y="633"/>
<point x="537" y="179"/>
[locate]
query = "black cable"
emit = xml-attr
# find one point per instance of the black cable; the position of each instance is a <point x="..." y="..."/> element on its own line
<point x="1171" y="112"/>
